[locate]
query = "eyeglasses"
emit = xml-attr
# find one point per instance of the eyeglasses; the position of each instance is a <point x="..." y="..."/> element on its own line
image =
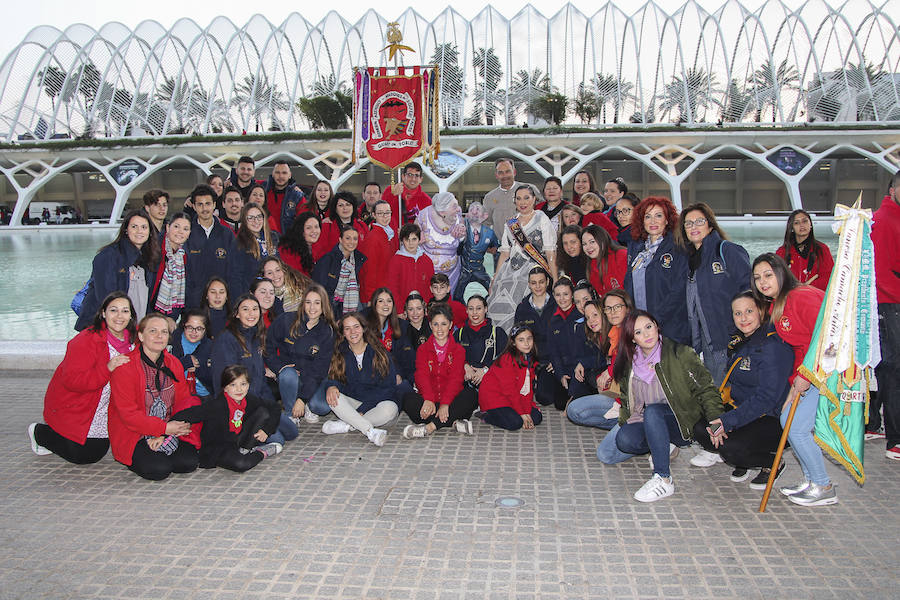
<point x="193" y="329"/>
<point x="613" y="309"/>
<point x="413" y="174"/>
<point x="696" y="222"/>
<point x="623" y="211"/>
<point x="382" y="213"/>
<point x="254" y="217"/>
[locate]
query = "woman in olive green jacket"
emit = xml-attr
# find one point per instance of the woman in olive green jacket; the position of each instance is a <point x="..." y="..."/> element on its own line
<point x="665" y="390"/>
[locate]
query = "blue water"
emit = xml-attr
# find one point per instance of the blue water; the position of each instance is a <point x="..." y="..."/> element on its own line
<point x="42" y="270"/>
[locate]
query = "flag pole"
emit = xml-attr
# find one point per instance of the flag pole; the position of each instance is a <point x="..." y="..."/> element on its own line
<point x="773" y="472"/>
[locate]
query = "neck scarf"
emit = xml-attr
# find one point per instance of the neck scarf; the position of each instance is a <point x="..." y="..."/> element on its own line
<point x="477" y="327"/>
<point x="642" y="260"/>
<point x="387" y="230"/>
<point x="387" y="336"/>
<point x="347" y="290"/>
<point x="121" y="346"/>
<point x="263" y="248"/>
<point x="643" y="364"/>
<point x="564" y="313"/>
<point x="236" y="411"/>
<point x="172" y="285"/>
<point x="441" y="351"/>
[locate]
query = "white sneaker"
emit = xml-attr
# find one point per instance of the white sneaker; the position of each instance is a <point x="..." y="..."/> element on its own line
<point x="295" y="421"/>
<point x="377" y="436"/>
<point x="310" y="417"/>
<point x="705" y="459"/>
<point x="35" y="447"/>
<point x="415" y="431"/>
<point x="655" y="489"/>
<point x="333" y="426"/>
<point x="673" y="452"/>
<point x="270" y="449"/>
<point x="464" y="426"/>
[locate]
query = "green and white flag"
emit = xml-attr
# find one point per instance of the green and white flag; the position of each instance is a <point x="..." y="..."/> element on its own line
<point x="845" y="347"/>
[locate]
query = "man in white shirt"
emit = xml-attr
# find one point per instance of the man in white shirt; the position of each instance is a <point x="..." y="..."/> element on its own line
<point x="500" y="202"/>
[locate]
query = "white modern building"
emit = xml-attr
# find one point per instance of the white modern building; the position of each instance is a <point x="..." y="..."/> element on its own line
<point x="755" y="111"/>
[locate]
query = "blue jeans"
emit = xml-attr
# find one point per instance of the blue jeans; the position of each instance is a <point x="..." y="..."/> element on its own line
<point x="317" y="404"/>
<point x="658" y="429"/>
<point x="288" y="386"/>
<point x="286" y="431"/>
<point x="801" y="438"/>
<point x="608" y="452"/>
<point x="589" y="411"/>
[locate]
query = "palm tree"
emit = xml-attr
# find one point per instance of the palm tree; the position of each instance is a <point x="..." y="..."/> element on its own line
<point x="587" y="104"/>
<point x="446" y="57"/>
<point x="488" y="73"/>
<point x="258" y="97"/>
<point x="737" y="101"/>
<point x="613" y="90"/>
<point x="767" y="84"/>
<point x="525" y="89"/>
<point x="696" y="90"/>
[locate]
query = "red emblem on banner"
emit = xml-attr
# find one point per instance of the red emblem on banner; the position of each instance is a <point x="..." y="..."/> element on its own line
<point x="395" y="120"/>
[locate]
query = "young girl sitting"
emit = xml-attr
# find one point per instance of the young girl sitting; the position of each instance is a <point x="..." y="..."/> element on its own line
<point x="507" y="390"/>
<point x="234" y="421"/>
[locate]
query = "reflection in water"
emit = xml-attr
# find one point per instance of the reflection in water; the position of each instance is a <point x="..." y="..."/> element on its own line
<point x="42" y="271"/>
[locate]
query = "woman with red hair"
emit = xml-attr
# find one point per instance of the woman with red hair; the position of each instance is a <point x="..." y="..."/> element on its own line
<point x="657" y="269"/>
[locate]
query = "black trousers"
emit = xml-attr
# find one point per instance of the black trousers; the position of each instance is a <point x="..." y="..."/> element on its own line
<point x="92" y="451"/>
<point x="462" y="407"/>
<point x="752" y="446"/>
<point x="506" y="418"/>
<point x="231" y="459"/>
<point x="156" y="466"/>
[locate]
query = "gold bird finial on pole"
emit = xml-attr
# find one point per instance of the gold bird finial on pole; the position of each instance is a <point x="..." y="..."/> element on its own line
<point x="394" y="37"/>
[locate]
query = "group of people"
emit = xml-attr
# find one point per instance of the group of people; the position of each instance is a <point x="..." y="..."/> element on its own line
<point x="208" y="336"/>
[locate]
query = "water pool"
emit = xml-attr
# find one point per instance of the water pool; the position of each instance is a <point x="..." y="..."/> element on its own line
<point x="42" y="269"/>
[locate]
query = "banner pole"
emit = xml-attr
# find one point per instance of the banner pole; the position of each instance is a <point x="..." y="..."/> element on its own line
<point x="773" y="472"/>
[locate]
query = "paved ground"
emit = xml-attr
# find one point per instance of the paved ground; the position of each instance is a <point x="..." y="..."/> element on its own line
<point x="335" y="517"/>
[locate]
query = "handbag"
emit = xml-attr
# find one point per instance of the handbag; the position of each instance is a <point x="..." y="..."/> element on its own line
<point x="78" y="300"/>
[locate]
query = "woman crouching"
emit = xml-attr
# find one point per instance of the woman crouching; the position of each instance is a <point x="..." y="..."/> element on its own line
<point x="507" y="390"/>
<point x="665" y="390"/>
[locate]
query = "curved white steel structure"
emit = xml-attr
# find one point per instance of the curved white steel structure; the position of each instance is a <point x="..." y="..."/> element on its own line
<point x="774" y="64"/>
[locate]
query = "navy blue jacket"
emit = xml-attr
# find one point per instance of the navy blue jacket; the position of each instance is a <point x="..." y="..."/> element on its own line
<point x="309" y="351"/>
<point x="293" y="198"/>
<point x="484" y="346"/>
<point x="539" y="322"/>
<point x="723" y="272"/>
<point x="759" y="382"/>
<point x="365" y="385"/>
<point x="203" y="372"/>
<point x="566" y="343"/>
<point x="109" y="273"/>
<point x="403" y="349"/>
<point x="217" y="321"/>
<point x="207" y="257"/>
<point x="665" y="280"/>
<point x="227" y="351"/>
<point x="328" y="270"/>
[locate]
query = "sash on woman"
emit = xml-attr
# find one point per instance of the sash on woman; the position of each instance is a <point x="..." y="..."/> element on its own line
<point x="527" y="246"/>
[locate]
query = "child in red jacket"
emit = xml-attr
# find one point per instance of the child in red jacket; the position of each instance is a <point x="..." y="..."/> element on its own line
<point x="506" y="394"/>
<point x="410" y="269"/>
<point x="442" y="399"/>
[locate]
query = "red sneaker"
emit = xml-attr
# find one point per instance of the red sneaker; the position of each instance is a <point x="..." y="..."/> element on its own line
<point x="893" y="453"/>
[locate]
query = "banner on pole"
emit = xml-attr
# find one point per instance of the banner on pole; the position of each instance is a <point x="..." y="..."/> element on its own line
<point x="395" y="115"/>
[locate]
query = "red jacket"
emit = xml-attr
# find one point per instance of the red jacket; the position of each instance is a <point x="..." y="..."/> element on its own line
<point x="597" y="217"/>
<point x="822" y="266"/>
<point x="406" y="274"/>
<point x="414" y="201"/>
<point x="128" y="419"/>
<point x="615" y="265"/>
<point x="798" y="321"/>
<point x="501" y="385"/>
<point x="440" y="382"/>
<point x="886" y="240"/>
<point x="75" y="388"/>
<point x="331" y="234"/>
<point x="378" y="250"/>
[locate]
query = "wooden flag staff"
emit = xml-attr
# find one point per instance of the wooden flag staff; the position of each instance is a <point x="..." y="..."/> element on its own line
<point x="773" y="472"/>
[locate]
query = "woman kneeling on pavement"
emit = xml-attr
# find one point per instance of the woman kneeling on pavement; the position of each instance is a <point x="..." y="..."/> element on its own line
<point x="442" y="400"/>
<point x="77" y="398"/>
<point x="145" y="393"/>
<point x="757" y="385"/>
<point x="665" y="389"/>
<point x="362" y="386"/>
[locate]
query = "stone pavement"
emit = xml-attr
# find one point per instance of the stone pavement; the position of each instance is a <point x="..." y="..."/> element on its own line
<point x="335" y="517"/>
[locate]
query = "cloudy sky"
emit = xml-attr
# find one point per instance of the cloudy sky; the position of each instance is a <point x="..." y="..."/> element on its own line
<point x="61" y="13"/>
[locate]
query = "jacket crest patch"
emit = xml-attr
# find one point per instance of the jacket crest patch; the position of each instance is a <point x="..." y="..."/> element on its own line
<point x="666" y="260"/>
<point x="717" y="268"/>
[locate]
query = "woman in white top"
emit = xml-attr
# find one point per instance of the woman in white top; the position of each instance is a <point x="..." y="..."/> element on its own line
<point x="535" y="244"/>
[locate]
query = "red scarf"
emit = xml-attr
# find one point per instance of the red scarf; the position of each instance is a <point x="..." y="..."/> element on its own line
<point x="477" y="327"/>
<point x="236" y="412"/>
<point x="564" y="313"/>
<point x="441" y="351"/>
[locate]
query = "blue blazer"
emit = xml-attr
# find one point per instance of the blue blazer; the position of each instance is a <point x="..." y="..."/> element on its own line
<point x="365" y="385"/>
<point x="227" y="351"/>
<point x="309" y="352"/>
<point x="109" y="273"/>
<point x="207" y="257"/>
